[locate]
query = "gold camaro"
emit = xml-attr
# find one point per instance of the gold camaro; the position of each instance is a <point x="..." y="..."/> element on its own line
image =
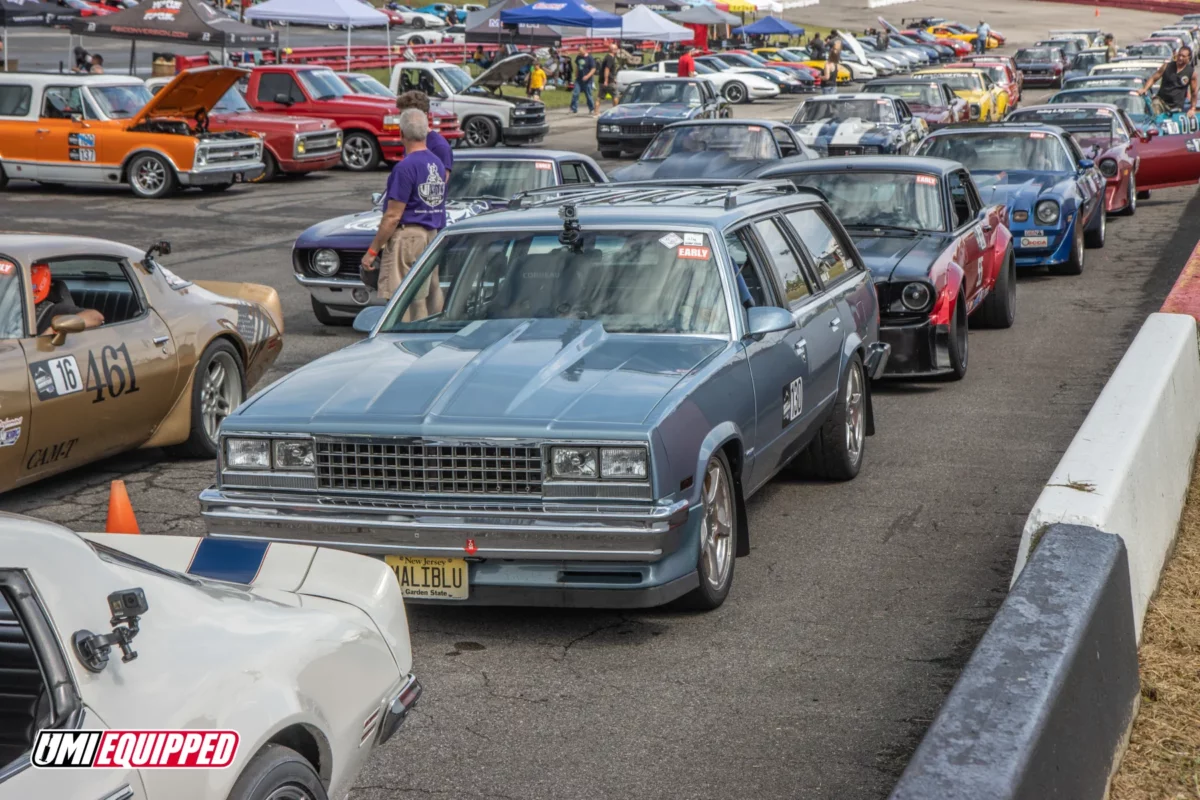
<point x="102" y="350"/>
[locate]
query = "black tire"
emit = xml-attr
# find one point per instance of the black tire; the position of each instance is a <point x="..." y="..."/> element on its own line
<point x="151" y="177"/>
<point x="360" y="152"/>
<point x="999" y="309"/>
<point x="418" y="23"/>
<point x="735" y="92"/>
<point x="213" y="188"/>
<point x="609" y="153"/>
<point x="416" y="40"/>
<point x="327" y="317"/>
<point x="711" y="593"/>
<point x="270" y="168"/>
<point x="3" y="177"/>
<point x="480" y="131"/>
<point x="1095" y="238"/>
<point x="959" y="341"/>
<point x="1074" y="265"/>
<point x="275" y="767"/>
<point x="1143" y="195"/>
<point x="828" y="456"/>
<point x="200" y="443"/>
<point x="1131" y="198"/>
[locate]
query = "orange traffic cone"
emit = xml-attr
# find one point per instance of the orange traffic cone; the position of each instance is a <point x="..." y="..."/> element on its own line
<point x="1097" y="11"/>
<point x="120" y="511"/>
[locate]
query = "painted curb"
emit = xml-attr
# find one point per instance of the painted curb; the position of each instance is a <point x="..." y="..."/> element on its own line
<point x="1165" y="7"/>
<point x="1184" y="297"/>
<point x="1043" y="706"/>
<point x="1128" y="468"/>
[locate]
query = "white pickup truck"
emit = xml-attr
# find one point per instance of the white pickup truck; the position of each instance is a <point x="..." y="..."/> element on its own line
<point x="487" y="118"/>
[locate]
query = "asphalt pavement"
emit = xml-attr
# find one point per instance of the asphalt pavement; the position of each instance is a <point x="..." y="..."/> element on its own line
<point x="859" y="603"/>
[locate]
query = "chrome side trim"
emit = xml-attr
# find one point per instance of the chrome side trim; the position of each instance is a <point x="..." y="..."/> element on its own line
<point x="124" y="793"/>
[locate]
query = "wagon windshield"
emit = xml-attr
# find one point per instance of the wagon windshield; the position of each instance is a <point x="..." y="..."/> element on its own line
<point x="870" y="110"/>
<point x="1036" y="151"/>
<point x="631" y="281"/>
<point x="497" y="179"/>
<point x="868" y="199"/>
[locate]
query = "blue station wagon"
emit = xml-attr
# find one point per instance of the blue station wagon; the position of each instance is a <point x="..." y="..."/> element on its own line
<point x="569" y="402"/>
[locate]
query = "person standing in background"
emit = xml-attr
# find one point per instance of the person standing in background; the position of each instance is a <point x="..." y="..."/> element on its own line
<point x="1110" y="47"/>
<point x="981" y="37"/>
<point x="829" y="74"/>
<point x="434" y="142"/>
<point x="608" y="76"/>
<point x="537" y="81"/>
<point x="585" y="70"/>
<point x="687" y="63"/>
<point x="415" y="211"/>
<point x="816" y="47"/>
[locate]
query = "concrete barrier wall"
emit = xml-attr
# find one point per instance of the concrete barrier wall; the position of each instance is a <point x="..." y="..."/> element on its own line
<point x="1128" y="468"/>
<point x="1043" y="706"/>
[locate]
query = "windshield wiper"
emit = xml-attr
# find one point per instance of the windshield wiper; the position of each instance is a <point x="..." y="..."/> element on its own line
<point x="875" y="226"/>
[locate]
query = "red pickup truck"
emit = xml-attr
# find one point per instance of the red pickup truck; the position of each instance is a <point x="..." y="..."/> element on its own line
<point x="291" y="144"/>
<point x="370" y="124"/>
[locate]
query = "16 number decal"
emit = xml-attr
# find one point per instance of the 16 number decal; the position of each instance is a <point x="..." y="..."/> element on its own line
<point x="109" y="374"/>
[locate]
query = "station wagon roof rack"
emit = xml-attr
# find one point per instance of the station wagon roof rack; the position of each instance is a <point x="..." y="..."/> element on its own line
<point x="690" y="191"/>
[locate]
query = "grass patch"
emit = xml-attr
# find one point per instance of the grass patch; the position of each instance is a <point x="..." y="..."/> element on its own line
<point x="1163" y="758"/>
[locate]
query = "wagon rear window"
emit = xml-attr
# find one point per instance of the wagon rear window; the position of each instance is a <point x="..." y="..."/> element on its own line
<point x="15" y="100"/>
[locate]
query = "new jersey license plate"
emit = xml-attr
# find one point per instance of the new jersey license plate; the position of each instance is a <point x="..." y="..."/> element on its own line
<point x="432" y="578"/>
<point x="1035" y="241"/>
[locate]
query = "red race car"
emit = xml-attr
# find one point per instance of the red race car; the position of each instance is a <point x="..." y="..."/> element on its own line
<point x="998" y="59"/>
<point x="959" y="47"/>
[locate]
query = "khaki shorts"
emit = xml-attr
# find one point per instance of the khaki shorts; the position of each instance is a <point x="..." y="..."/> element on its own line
<point x="1160" y="107"/>
<point x="398" y="257"/>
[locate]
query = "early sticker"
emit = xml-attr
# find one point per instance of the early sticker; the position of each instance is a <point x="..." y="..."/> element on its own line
<point x="699" y="253"/>
<point x="56" y="376"/>
<point x="10" y="431"/>
<point x="543" y="165"/>
<point x="927" y="180"/>
<point x="6" y="267"/>
<point x="670" y="240"/>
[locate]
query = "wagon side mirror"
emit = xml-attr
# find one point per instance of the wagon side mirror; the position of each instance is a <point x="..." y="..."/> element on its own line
<point x="64" y="324"/>
<point x="367" y="318"/>
<point x="761" y="320"/>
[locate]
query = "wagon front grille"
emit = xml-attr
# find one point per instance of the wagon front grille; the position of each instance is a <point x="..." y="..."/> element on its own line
<point x="407" y="466"/>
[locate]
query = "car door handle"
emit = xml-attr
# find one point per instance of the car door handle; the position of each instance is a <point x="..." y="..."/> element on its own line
<point x="801" y="348"/>
<point x="42" y="130"/>
<point x="835" y="322"/>
<point x="159" y="341"/>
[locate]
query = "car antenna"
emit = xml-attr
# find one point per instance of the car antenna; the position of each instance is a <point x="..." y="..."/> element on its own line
<point x="570" y="236"/>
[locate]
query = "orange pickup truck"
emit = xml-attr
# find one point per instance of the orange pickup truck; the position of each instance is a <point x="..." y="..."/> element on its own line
<point x="108" y="129"/>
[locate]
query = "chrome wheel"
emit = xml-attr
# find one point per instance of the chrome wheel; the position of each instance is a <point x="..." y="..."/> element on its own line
<point x="716" y="533"/>
<point x="358" y="152"/>
<point x="220" y="392"/>
<point x="856" y="413"/>
<point x="149" y="176"/>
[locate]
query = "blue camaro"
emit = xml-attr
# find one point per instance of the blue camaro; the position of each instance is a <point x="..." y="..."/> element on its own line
<point x="569" y="402"/>
<point x="1055" y="196"/>
<point x="858" y="124"/>
<point x="326" y="257"/>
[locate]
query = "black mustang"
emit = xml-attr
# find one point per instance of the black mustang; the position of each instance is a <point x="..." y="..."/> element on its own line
<point x="937" y="253"/>
<point x="722" y="148"/>
<point x="647" y="106"/>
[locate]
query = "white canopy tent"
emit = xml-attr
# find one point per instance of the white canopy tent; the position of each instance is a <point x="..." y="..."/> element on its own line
<point x="350" y="13"/>
<point x="642" y="24"/>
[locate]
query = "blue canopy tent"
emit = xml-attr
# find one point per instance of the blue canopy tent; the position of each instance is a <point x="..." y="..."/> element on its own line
<point x="770" y="26"/>
<point x="571" y="13"/>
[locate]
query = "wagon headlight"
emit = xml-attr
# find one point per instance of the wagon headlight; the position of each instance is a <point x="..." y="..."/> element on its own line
<point x="326" y="262"/>
<point x="293" y="454"/>
<point x="248" y="453"/>
<point x="916" y="297"/>
<point x="628" y="463"/>
<point x="1108" y="167"/>
<point x="574" y="462"/>
<point x="1046" y="212"/>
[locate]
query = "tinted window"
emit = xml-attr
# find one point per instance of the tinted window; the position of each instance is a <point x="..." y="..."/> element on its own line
<point x="575" y="172"/>
<point x="832" y="259"/>
<point x="753" y="285"/>
<point x="12" y="311"/>
<point x="783" y="260"/>
<point x="960" y="203"/>
<point x="273" y="84"/>
<point x="783" y="138"/>
<point x="15" y="100"/>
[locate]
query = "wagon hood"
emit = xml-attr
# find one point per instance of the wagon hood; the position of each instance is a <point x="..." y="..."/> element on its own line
<point x="652" y="111"/>
<point x="893" y="258"/>
<point x="1016" y="187"/>
<point x="549" y="374"/>
<point x="191" y="91"/>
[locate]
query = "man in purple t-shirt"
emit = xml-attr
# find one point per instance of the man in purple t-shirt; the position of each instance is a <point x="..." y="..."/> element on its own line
<point x="415" y="210"/>
<point x="435" y="142"/>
